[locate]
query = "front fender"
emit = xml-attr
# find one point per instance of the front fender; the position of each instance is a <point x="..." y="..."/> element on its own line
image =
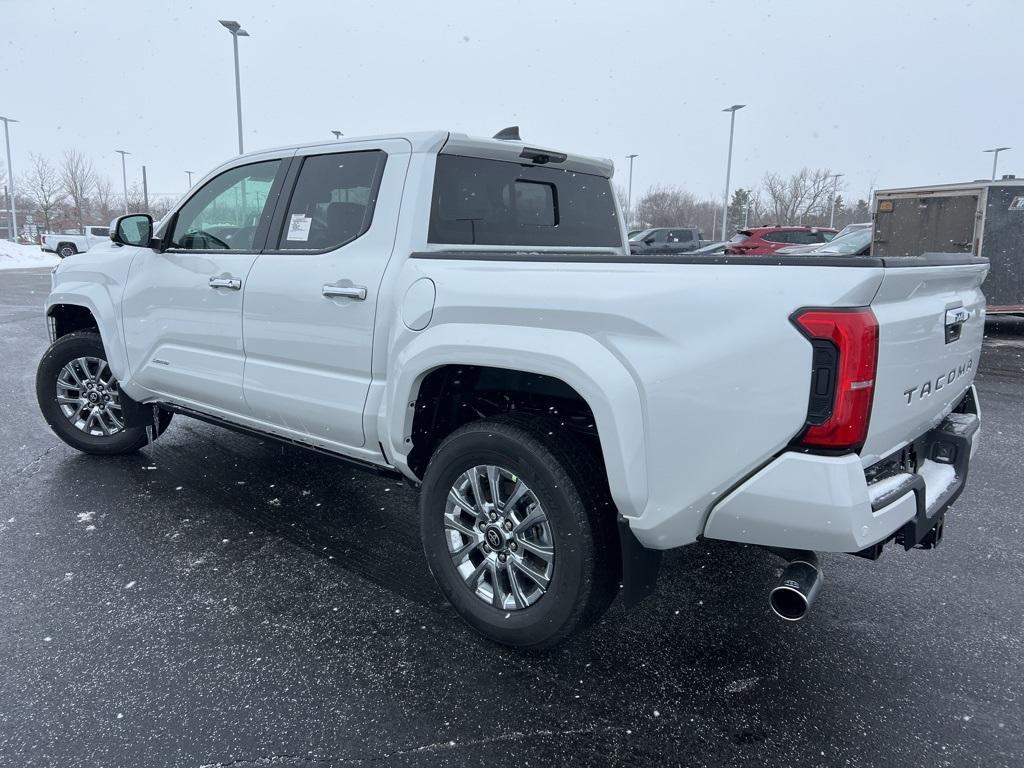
<point x="96" y="297"/>
<point x="574" y="358"/>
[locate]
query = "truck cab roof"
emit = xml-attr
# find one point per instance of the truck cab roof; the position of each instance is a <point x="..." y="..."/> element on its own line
<point x="447" y="142"/>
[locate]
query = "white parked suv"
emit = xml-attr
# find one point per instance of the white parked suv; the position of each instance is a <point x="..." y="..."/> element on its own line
<point x="465" y="313"/>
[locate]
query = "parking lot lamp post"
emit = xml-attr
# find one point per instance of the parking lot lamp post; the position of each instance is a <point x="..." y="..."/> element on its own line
<point x="124" y="177"/>
<point x="629" y="192"/>
<point x="835" y="188"/>
<point x="189" y="178"/>
<point x="728" y="166"/>
<point x="10" y="180"/>
<point x="995" y="157"/>
<point x="236" y="32"/>
<point x="337" y="135"/>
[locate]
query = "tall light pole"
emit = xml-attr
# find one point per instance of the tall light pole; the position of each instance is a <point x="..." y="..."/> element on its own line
<point x="190" y="178"/>
<point x="124" y="177"/>
<point x="835" y="187"/>
<point x="236" y="32"/>
<point x="629" y="193"/>
<point x="337" y="134"/>
<point x="995" y="158"/>
<point x="728" y="166"/>
<point x="10" y="181"/>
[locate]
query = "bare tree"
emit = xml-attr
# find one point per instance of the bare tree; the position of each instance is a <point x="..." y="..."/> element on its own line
<point x="160" y="206"/>
<point x="41" y="184"/>
<point x="103" y="201"/>
<point x="803" y="198"/>
<point x="79" y="179"/>
<point x="665" y="207"/>
<point x="136" y="199"/>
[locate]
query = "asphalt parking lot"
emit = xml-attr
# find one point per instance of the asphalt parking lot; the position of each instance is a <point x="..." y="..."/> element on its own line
<point x="216" y="600"/>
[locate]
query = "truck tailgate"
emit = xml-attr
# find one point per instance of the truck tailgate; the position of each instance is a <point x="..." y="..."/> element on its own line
<point x="931" y="320"/>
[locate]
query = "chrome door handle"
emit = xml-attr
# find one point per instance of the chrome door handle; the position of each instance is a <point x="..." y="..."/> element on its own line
<point x="226" y="282"/>
<point x="357" y="292"/>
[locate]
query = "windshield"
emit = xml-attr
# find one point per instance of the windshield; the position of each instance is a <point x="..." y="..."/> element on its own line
<point x="848" y="244"/>
<point x="640" y="235"/>
<point x="852" y="228"/>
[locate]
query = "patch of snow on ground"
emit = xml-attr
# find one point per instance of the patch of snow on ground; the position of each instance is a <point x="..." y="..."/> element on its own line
<point x="15" y="256"/>
<point x="739" y="686"/>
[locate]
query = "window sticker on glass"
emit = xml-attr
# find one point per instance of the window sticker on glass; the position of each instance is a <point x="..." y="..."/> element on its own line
<point x="298" y="227"/>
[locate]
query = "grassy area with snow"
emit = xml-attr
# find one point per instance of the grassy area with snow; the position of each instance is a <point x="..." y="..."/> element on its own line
<point x="14" y="256"/>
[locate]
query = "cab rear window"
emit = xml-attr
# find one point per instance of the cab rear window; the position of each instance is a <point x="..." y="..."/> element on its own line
<point x="493" y="202"/>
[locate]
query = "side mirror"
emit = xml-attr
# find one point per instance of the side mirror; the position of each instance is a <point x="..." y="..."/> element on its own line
<point x="649" y="240"/>
<point x="134" y="229"/>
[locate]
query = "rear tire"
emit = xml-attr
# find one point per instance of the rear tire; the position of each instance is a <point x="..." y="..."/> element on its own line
<point x="482" y="553"/>
<point x="79" y="398"/>
<point x="66" y="249"/>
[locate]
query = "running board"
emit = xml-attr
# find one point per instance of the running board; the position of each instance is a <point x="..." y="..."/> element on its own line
<point x="368" y="466"/>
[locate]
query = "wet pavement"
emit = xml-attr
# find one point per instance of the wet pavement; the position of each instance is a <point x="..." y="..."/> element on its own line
<point x="218" y="600"/>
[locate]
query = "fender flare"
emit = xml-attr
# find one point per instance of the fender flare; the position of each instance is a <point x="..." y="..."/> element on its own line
<point x="575" y="358"/>
<point x="93" y="296"/>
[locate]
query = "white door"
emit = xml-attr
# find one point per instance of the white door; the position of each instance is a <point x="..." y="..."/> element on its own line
<point x="311" y="297"/>
<point x="182" y="307"/>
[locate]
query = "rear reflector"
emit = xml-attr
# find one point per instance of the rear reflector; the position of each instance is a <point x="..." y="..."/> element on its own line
<point x="845" y="356"/>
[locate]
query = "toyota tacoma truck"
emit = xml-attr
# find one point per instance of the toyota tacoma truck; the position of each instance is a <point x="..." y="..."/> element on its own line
<point x="69" y="243"/>
<point x="465" y="313"/>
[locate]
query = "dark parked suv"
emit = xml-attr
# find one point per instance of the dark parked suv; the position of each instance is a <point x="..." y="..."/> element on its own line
<point x="761" y="241"/>
<point x="665" y="240"/>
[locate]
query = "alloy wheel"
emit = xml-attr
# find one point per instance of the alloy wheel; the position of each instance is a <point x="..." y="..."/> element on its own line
<point x="89" y="396"/>
<point x="499" y="537"/>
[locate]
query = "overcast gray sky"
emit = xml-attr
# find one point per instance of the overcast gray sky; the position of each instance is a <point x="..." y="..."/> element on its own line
<point x="890" y="93"/>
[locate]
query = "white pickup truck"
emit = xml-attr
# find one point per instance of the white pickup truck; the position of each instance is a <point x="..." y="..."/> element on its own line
<point x="465" y="313"/>
<point x="68" y="243"/>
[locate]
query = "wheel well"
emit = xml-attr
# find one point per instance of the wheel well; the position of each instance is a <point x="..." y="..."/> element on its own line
<point x="454" y="395"/>
<point x="62" y="243"/>
<point x="69" y="318"/>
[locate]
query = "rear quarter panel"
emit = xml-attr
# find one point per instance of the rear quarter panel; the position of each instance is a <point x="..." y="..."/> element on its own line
<point x="720" y="374"/>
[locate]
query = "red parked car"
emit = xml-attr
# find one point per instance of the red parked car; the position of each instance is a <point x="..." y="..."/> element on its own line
<point x="761" y="241"/>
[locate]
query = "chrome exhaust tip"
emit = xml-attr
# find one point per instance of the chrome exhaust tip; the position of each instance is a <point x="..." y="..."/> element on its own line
<point x="801" y="579"/>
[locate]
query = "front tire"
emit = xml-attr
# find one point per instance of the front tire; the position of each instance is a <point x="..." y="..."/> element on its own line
<point x="518" y="530"/>
<point x="81" y="400"/>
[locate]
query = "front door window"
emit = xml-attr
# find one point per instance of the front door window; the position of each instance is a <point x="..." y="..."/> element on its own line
<point x="225" y="213"/>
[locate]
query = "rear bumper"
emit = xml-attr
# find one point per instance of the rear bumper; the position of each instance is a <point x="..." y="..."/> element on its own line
<point x="830" y="504"/>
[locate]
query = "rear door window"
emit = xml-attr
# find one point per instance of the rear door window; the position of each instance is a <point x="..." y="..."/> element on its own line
<point x="333" y="200"/>
<point x="493" y="202"/>
<point x="778" y="237"/>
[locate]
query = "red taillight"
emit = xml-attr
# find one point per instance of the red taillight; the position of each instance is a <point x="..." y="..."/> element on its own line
<point x="845" y="357"/>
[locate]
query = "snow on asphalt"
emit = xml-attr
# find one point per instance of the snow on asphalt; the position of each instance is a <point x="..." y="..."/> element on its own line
<point x="15" y="256"/>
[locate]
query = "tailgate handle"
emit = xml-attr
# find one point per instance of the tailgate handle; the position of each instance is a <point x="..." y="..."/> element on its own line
<point x="955" y="319"/>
